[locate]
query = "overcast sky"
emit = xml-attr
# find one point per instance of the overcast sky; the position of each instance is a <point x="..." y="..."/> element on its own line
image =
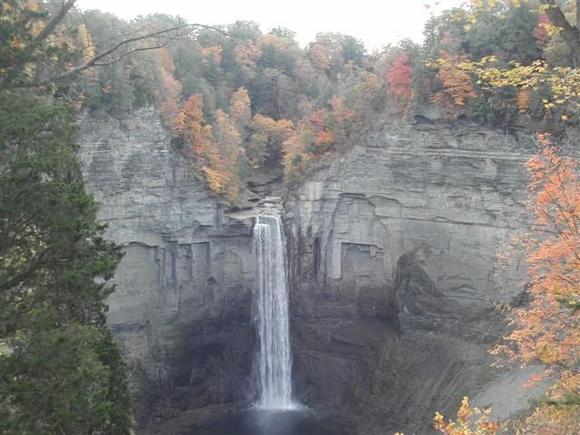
<point x="375" y="22"/>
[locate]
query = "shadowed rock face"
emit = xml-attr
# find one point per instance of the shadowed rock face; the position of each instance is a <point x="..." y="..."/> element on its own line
<point x="182" y="308"/>
<point x="394" y="280"/>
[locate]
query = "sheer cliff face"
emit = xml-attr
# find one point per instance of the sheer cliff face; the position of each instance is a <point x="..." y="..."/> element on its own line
<point x="392" y="265"/>
<point x="394" y="280"/>
<point x="181" y="310"/>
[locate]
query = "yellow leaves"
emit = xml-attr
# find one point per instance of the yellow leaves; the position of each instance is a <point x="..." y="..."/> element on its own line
<point x="470" y="421"/>
<point x="552" y="420"/>
<point x="213" y="178"/>
<point x="86" y="42"/>
<point x="563" y="82"/>
<point x="267" y="139"/>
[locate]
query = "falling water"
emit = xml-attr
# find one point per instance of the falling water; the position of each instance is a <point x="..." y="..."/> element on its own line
<point x="274" y="361"/>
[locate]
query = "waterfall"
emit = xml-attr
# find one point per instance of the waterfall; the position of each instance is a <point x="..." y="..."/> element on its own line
<point x="274" y="364"/>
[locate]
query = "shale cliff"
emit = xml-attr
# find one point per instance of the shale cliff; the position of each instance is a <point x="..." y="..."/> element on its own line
<point x="394" y="283"/>
<point x="182" y="306"/>
<point x="394" y="277"/>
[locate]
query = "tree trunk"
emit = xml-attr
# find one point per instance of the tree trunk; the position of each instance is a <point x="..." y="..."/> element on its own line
<point x="570" y="34"/>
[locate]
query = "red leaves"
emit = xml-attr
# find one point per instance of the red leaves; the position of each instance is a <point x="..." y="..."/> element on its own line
<point x="399" y="77"/>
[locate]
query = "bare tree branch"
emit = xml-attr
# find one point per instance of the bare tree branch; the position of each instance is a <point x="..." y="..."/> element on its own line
<point x="37" y="42"/>
<point x="172" y="33"/>
<point x="95" y="60"/>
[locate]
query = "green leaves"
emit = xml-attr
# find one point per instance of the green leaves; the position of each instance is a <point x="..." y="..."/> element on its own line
<point x="60" y="381"/>
<point x="60" y="372"/>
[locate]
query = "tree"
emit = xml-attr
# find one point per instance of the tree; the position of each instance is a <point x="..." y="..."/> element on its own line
<point x="225" y="160"/>
<point x="399" y="77"/>
<point x="240" y="108"/>
<point x="29" y="55"/>
<point x="569" y="32"/>
<point x="190" y="124"/>
<point x="264" y="147"/>
<point x="171" y="90"/>
<point x="456" y="82"/>
<point x="547" y="330"/>
<point x="60" y="371"/>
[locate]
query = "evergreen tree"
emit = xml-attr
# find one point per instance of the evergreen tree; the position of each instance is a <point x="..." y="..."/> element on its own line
<point x="60" y="371"/>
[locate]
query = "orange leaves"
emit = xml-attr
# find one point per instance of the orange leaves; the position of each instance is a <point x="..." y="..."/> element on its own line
<point x="470" y="421"/>
<point x="240" y="107"/>
<point x="171" y="92"/>
<point x="212" y="54"/>
<point x="318" y="55"/>
<point x="548" y="330"/>
<point x="457" y="86"/>
<point x="216" y="148"/>
<point x="318" y="134"/>
<point x="247" y="54"/>
<point x="324" y="138"/>
<point x="189" y="122"/>
<point x="266" y="140"/>
<point x="340" y="112"/>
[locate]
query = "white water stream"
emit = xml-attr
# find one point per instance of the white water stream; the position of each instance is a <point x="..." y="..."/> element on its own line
<point x="274" y="364"/>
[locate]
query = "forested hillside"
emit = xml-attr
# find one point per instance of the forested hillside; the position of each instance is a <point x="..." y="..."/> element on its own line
<point x="238" y="100"/>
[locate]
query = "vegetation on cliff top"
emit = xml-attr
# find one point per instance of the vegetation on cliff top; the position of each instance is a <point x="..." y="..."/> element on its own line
<point x="262" y="103"/>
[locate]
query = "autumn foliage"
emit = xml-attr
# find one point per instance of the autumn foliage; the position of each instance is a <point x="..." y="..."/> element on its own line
<point x="457" y="87"/>
<point x="318" y="134"/>
<point x="470" y="421"/>
<point x="215" y="148"/>
<point x="548" y="330"/>
<point x="399" y="78"/>
<point x="171" y="89"/>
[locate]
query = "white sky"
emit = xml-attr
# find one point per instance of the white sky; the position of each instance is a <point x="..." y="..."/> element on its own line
<point x="376" y="23"/>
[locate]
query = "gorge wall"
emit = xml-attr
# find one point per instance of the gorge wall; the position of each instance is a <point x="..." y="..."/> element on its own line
<point x="182" y="306"/>
<point x="394" y="277"/>
<point x="392" y="253"/>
